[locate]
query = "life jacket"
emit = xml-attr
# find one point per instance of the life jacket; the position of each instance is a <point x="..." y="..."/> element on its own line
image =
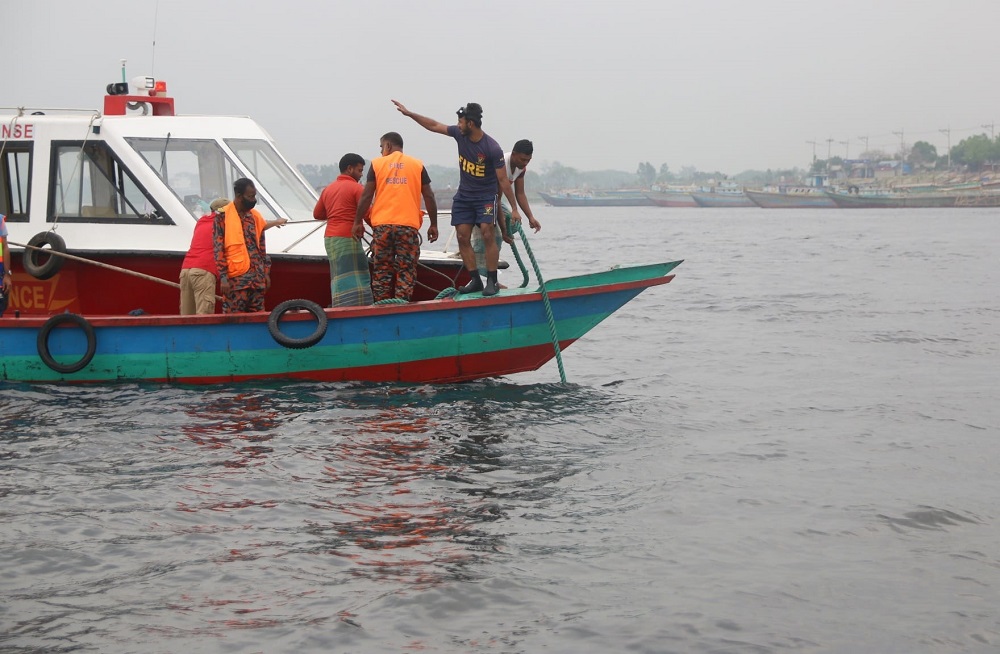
<point x="398" y="185"/>
<point x="237" y="256"/>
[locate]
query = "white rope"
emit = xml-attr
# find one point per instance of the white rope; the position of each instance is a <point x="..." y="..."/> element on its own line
<point x="13" y="121"/>
<point x="76" y="167"/>
<point x="311" y="232"/>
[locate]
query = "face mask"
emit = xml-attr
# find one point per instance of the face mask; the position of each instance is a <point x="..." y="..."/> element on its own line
<point x="249" y="204"/>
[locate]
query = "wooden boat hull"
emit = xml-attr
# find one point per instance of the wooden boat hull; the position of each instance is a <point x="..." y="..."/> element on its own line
<point x="448" y="340"/>
<point x="915" y="200"/>
<point x="597" y="201"/>
<point x="722" y="200"/>
<point x="768" y="200"/>
<point x="661" y="199"/>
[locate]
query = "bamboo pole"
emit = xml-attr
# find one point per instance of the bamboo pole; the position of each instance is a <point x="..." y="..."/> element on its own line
<point x="100" y="264"/>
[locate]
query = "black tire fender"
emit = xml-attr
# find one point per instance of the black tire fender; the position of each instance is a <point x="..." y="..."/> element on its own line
<point x="297" y="305"/>
<point x="43" y="342"/>
<point x="32" y="261"/>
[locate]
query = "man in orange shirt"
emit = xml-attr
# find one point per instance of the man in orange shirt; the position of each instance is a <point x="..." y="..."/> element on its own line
<point x="397" y="182"/>
<point x="350" y="282"/>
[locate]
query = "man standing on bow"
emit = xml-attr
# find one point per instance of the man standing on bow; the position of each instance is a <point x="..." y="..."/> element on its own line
<point x="240" y="254"/>
<point x="481" y="170"/>
<point x="397" y="181"/>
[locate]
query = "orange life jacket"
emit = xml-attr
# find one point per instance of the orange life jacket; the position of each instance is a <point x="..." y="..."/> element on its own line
<point x="237" y="256"/>
<point x="398" y="186"/>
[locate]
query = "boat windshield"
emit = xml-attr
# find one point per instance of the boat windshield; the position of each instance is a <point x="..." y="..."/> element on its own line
<point x="277" y="178"/>
<point x="197" y="171"/>
<point x="90" y="184"/>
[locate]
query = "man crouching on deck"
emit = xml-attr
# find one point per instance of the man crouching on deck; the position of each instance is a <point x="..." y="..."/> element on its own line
<point x="240" y="254"/>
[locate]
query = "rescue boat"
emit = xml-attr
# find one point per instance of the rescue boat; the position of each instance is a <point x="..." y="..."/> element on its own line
<point x="101" y="206"/>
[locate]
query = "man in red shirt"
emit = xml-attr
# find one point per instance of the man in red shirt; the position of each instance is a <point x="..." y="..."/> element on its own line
<point x="350" y="281"/>
<point x="198" y="272"/>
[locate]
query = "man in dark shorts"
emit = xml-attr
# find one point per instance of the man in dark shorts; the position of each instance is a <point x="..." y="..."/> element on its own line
<point x="482" y="170"/>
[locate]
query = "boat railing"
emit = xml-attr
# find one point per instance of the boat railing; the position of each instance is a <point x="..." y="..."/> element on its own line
<point x="42" y="111"/>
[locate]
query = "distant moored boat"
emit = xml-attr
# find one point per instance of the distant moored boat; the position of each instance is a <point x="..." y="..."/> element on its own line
<point x="918" y="200"/>
<point x="671" y="198"/>
<point x="720" y="198"/>
<point x="793" y="198"/>
<point x="598" y="199"/>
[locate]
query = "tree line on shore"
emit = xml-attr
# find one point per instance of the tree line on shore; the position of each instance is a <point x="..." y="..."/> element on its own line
<point x="555" y="176"/>
<point x="972" y="154"/>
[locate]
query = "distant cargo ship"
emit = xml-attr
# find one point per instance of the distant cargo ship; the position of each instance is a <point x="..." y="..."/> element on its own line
<point x="806" y="197"/>
<point x="671" y="198"/>
<point x="598" y="199"/>
<point x="918" y="200"/>
<point x="722" y="198"/>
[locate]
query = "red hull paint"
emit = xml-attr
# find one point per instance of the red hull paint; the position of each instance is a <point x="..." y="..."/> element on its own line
<point x="91" y="290"/>
<point x="118" y="320"/>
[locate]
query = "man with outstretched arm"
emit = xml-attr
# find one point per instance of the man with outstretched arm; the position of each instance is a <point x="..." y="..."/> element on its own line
<point x="482" y="170"/>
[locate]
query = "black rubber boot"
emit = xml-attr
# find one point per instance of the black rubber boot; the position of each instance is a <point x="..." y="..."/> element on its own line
<point x="475" y="285"/>
<point x="492" y="286"/>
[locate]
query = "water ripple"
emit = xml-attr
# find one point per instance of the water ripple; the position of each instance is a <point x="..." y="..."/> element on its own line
<point x="803" y="423"/>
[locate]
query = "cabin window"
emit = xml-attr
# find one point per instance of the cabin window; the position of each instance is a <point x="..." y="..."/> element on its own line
<point x="90" y="185"/>
<point x="276" y="176"/>
<point x="197" y="171"/>
<point x="15" y="181"/>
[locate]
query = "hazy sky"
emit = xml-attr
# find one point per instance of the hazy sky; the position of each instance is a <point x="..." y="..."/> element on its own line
<point x="721" y="85"/>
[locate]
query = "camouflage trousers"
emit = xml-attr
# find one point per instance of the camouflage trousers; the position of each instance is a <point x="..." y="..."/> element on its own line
<point x="396" y="250"/>
<point x="243" y="300"/>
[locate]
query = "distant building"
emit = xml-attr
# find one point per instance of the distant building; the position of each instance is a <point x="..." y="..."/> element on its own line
<point x="859" y="168"/>
<point x="819" y="180"/>
<point x="886" y="169"/>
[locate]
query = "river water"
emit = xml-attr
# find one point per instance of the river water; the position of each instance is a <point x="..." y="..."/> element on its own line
<point x="792" y="446"/>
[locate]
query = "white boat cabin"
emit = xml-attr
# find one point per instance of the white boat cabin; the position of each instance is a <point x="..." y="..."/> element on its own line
<point x="128" y="178"/>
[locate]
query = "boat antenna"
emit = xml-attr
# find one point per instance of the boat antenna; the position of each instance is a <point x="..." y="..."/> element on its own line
<point x="152" y="63"/>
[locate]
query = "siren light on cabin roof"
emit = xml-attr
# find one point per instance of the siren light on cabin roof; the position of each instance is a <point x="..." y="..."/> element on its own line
<point x="147" y="93"/>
